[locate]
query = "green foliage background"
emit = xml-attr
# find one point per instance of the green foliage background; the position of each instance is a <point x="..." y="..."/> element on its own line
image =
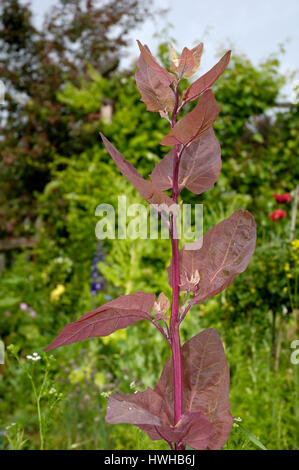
<point x="253" y="316"/>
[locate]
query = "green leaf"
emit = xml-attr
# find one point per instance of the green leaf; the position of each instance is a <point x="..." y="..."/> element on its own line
<point x="252" y="437"/>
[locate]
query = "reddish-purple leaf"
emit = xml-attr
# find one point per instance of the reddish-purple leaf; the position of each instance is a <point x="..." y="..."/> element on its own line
<point x="226" y="251"/>
<point x="193" y="429"/>
<point x="194" y="124"/>
<point x="199" y="169"/>
<point x="146" y="189"/>
<point x="156" y="94"/>
<point x="205" y="383"/>
<point x="207" y="80"/>
<point x="140" y="408"/>
<point x="206" y="419"/>
<point x="164" y="76"/>
<point x="119" y="313"/>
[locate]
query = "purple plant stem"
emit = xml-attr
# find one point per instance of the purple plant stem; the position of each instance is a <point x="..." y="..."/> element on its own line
<point x="158" y="327"/>
<point x="185" y="312"/>
<point x="174" y="320"/>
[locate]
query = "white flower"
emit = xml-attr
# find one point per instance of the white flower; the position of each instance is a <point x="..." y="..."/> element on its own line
<point x="34" y="357"/>
<point x="238" y="419"/>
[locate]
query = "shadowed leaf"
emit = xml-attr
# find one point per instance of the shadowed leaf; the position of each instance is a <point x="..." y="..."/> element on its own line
<point x="199" y="169"/>
<point x="206" y="420"/>
<point x="140" y="408"/>
<point x="206" y="81"/>
<point x="205" y="384"/>
<point x="226" y="251"/>
<point x="193" y="430"/>
<point x="193" y="125"/>
<point x="119" y="313"/>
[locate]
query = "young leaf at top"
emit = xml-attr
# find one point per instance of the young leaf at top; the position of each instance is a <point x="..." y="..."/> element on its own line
<point x="119" y="313"/>
<point x="199" y="169"/>
<point x="226" y="251"/>
<point x="194" y="124"/>
<point x="165" y="77"/>
<point x="187" y="64"/>
<point x="146" y="189"/>
<point x="206" y="419"/>
<point x="206" y="81"/>
<point x="153" y="82"/>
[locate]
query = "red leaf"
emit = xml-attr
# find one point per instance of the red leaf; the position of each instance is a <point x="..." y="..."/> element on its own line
<point x="119" y="313"/>
<point x="206" y="81"/>
<point x="206" y="421"/>
<point x="146" y="189"/>
<point x="191" y="126"/>
<point x="199" y="169"/>
<point x="226" y="251"/>
<point x="155" y="93"/>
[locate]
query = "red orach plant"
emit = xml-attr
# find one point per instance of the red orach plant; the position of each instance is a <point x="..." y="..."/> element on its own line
<point x="282" y="198"/>
<point x="277" y="214"/>
<point x="189" y="406"/>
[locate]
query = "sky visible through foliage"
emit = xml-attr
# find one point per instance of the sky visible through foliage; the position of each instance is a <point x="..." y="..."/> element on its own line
<point x="256" y="28"/>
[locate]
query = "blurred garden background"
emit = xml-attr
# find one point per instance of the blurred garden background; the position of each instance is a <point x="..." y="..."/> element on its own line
<point x="64" y="84"/>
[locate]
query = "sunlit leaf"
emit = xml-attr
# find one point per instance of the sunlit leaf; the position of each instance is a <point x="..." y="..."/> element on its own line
<point x="188" y="63"/>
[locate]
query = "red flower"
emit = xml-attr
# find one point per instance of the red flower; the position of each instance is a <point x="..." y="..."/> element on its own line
<point x="277" y="214"/>
<point x="282" y="198"/>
